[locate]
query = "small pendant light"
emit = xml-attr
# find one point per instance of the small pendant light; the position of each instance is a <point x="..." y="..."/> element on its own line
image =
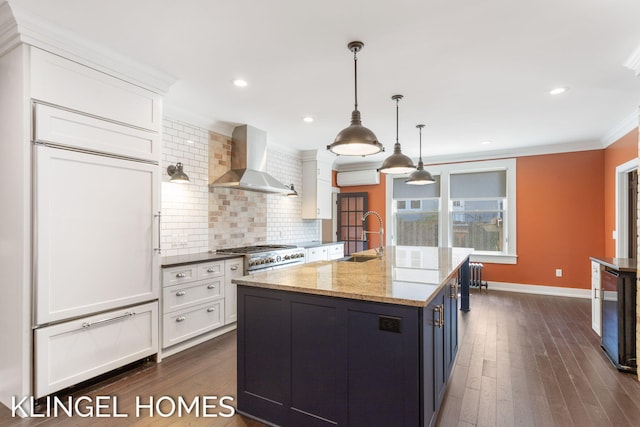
<point x="355" y="140"/>
<point x="420" y="176"/>
<point x="397" y="162"/>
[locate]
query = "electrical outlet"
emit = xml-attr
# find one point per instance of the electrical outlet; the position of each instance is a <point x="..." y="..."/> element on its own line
<point x="558" y="272"/>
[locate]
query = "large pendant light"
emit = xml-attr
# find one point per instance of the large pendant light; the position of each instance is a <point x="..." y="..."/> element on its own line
<point x="397" y="162"/>
<point x="355" y="140"/>
<point x="420" y="176"/>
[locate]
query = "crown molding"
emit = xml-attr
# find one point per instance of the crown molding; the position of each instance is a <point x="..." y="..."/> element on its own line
<point x="536" y="150"/>
<point x="18" y="26"/>
<point x="629" y="123"/>
<point x="633" y="62"/>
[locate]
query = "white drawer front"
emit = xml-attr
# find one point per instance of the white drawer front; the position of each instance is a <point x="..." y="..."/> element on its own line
<point x="185" y="324"/>
<point x="74" y="351"/>
<point x="177" y="275"/>
<point x="58" y="81"/>
<point x="211" y="269"/>
<point x="181" y="296"/>
<point x="57" y="126"/>
<point x="336" y="251"/>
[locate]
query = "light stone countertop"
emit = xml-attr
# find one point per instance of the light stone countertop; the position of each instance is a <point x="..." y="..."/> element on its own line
<point x="405" y="275"/>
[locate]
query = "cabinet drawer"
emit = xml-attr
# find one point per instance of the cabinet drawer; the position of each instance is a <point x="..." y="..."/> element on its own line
<point x="210" y="269"/>
<point x="176" y="275"/>
<point x="185" y="324"/>
<point x="57" y="126"/>
<point x="179" y="296"/>
<point x="58" y="81"/>
<point x="336" y="251"/>
<point x="74" y="351"/>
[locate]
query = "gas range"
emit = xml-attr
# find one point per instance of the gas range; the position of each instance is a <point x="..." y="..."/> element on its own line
<point x="267" y="257"/>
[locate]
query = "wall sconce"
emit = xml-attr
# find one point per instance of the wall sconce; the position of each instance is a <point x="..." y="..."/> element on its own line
<point x="293" y="192"/>
<point x="177" y="174"/>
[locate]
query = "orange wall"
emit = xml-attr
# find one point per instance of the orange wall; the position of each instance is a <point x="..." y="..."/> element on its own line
<point x="623" y="150"/>
<point x="560" y="220"/>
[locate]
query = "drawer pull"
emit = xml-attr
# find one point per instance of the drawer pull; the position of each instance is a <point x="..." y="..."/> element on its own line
<point x="211" y="287"/>
<point x="211" y="270"/>
<point x="234" y="268"/>
<point x="180" y="319"/>
<point x="211" y="309"/>
<point x="99" y="322"/>
<point x="181" y="275"/>
<point x="439" y="322"/>
<point x="180" y="293"/>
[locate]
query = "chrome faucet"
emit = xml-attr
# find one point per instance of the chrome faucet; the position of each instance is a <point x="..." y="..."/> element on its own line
<point x="380" y="250"/>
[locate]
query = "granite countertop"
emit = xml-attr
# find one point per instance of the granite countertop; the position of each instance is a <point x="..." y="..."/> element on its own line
<point x="405" y="275"/>
<point x="316" y="243"/>
<point x="619" y="264"/>
<point x="177" y="260"/>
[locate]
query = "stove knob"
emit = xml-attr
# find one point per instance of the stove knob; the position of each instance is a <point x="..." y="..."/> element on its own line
<point x="251" y="263"/>
<point x="278" y="258"/>
<point x="272" y="260"/>
<point x="286" y="257"/>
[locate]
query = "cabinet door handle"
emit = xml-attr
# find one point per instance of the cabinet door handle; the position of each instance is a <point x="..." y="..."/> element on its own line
<point x="438" y="323"/>
<point x="158" y="250"/>
<point x="180" y="319"/>
<point x="211" y="286"/>
<point x="234" y="268"/>
<point x="211" y="269"/>
<point x="211" y="309"/>
<point x="181" y="275"/>
<point x="180" y="293"/>
<point x="453" y="291"/>
<point x="595" y="293"/>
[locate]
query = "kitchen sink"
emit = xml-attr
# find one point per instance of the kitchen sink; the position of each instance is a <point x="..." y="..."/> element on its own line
<point x="359" y="258"/>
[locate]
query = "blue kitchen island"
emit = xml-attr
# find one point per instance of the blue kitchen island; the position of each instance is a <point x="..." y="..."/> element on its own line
<point x="369" y="341"/>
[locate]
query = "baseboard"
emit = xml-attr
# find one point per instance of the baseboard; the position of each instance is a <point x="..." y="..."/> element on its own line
<point x="540" y="290"/>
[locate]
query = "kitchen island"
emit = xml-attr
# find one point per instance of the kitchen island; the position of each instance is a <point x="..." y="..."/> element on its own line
<point x="369" y="341"/>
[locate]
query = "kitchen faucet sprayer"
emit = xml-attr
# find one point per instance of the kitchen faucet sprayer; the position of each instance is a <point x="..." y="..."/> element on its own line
<point x="380" y="250"/>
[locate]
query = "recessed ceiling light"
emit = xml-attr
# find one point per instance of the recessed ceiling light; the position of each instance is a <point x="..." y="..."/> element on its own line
<point x="240" y="83"/>
<point x="557" y="90"/>
<point x="308" y="119"/>
<point x="485" y="142"/>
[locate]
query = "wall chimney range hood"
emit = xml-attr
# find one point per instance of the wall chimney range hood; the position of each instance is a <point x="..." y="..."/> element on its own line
<point x="248" y="163"/>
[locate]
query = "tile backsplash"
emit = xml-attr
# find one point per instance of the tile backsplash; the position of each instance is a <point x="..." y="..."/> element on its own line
<point x="196" y="218"/>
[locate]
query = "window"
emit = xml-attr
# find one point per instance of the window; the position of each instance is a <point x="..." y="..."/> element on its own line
<point x="416" y="212"/>
<point x="470" y="205"/>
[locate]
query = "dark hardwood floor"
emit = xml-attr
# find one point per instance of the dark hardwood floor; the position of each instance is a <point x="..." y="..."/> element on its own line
<point x="523" y="360"/>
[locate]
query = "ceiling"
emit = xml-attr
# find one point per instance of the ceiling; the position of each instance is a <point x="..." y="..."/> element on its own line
<point x="473" y="71"/>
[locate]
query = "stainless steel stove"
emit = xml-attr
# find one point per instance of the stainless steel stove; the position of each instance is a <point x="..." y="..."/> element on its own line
<point x="267" y="257"/>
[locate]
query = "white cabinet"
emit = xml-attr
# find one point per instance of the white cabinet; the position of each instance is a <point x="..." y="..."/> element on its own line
<point x="70" y="352"/>
<point x="596" y="297"/>
<point x="318" y="253"/>
<point x="335" y="251"/>
<point x="196" y="299"/>
<point x="316" y="188"/>
<point x="325" y="252"/>
<point x="96" y="233"/>
<point x="232" y="269"/>
<point x="56" y="80"/>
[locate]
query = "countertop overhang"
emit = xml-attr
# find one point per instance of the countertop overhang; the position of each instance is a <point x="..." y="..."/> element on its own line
<point x="618" y="264"/>
<point x="405" y="275"/>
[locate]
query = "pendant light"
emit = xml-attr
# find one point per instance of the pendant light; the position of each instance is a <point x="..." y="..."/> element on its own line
<point x="397" y="162"/>
<point x="355" y="140"/>
<point x="420" y="176"/>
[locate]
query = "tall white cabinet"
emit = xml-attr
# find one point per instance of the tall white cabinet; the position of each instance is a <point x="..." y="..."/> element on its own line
<point x="79" y="225"/>
<point x="596" y="297"/>
<point x="316" y="185"/>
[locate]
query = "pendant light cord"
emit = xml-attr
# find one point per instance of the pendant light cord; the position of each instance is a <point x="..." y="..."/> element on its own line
<point x="420" y="128"/>
<point x="397" y="120"/>
<point x="355" y="71"/>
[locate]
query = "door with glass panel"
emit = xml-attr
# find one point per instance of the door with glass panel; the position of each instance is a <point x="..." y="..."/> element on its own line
<point x="351" y="207"/>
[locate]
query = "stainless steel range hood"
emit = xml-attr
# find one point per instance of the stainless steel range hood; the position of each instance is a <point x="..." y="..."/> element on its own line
<point x="248" y="163"/>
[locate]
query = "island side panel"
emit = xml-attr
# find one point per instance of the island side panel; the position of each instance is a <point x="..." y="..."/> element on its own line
<point x="463" y="274"/>
<point x="263" y="354"/>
